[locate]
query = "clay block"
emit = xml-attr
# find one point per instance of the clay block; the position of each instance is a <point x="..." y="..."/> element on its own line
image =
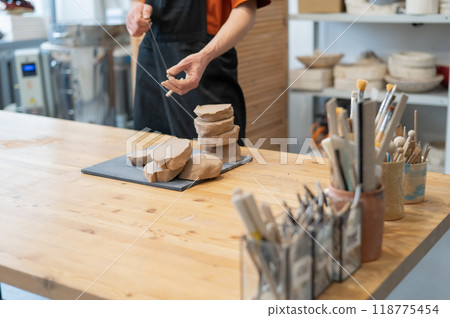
<point x="214" y="112"/>
<point x="228" y="153"/>
<point x="154" y="173"/>
<point x="208" y="129"/>
<point x="172" y="154"/>
<point x="201" y="167"/>
<point x="140" y="158"/>
<point x="230" y="137"/>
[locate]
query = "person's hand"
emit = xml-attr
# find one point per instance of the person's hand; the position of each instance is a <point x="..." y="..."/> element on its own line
<point x="138" y="19"/>
<point x="194" y="66"/>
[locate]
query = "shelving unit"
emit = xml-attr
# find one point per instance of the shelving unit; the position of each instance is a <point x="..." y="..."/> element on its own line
<point x="392" y="18"/>
<point x="439" y="97"/>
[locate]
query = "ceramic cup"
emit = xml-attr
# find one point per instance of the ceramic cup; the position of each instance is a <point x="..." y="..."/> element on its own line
<point x="392" y="176"/>
<point x="373" y="207"/>
<point x="414" y="182"/>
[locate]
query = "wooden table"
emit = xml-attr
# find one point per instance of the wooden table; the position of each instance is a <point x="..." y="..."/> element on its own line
<point x="61" y="230"/>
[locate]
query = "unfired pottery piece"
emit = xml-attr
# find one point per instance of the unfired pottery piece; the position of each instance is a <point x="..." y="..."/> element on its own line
<point x="227" y="138"/>
<point x="208" y="129"/>
<point x="173" y="153"/>
<point x="140" y="158"/>
<point x="201" y="167"/>
<point x="154" y="173"/>
<point x="228" y="153"/>
<point x="214" y="112"/>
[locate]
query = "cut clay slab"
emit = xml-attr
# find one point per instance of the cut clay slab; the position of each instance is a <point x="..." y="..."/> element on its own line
<point x="201" y="167"/>
<point x="228" y="153"/>
<point x="153" y="173"/>
<point x="209" y="129"/>
<point x="140" y="158"/>
<point x="227" y="138"/>
<point x="213" y="113"/>
<point x="172" y="154"/>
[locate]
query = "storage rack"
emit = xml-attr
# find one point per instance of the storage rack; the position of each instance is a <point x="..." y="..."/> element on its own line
<point x="439" y="97"/>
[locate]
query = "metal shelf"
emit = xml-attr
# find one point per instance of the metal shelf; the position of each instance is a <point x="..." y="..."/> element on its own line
<point x="438" y="97"/>
<point x="392" y="18"/>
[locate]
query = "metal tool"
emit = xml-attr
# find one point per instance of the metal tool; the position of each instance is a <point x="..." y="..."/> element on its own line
<point x="170" y="92"/>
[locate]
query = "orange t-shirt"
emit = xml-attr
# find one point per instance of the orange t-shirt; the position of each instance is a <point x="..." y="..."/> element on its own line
<point x="218" y="12"/>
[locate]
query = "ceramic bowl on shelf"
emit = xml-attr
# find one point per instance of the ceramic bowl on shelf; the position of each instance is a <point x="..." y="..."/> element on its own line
<point x="417" y="86"/>
<point x="317" y="61"/>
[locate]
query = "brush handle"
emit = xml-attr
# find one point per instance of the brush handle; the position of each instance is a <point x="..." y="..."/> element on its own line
<point x="396" y="117"/>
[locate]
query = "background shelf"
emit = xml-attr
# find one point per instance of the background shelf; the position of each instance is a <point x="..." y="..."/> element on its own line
<point x="392" y="18"/>
<point x="438" y="97"/>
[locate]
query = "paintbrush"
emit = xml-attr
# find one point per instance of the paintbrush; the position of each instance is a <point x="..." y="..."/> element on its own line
<point x="393" y="123"/>
<point x="381" y="132"/>
<point x="362" y="85"/>
<point x="389" y="88"/>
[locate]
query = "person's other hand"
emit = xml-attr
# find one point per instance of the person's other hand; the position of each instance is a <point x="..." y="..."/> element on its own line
<point x="194" y="66"/>
<point x="138" y="19"/>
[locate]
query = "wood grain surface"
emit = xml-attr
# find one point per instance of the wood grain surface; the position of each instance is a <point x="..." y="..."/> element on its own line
<point x="61" y="231"/>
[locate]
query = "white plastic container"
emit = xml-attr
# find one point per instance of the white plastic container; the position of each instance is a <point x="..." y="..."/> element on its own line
<point x="422" y="6"/>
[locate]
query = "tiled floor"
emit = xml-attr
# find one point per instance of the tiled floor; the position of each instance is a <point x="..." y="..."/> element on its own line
<point x="430" y="279"/>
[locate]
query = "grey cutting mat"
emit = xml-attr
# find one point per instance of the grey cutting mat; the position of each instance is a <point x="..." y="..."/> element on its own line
<point x="120" y="169"/>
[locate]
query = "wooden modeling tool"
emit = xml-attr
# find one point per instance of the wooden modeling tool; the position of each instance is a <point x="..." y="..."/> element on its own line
<point x="331" y="107"/>
<point x="391" y="151"/>
<point x="327" y="145"/>
<point x="362" y="85"/>
<point x="240" y="205"/>
<point x="270" y="220"/>
<point x="399" y="143"/>
<point x="415" y="124"/>
<point x="425" y="155"/>
<point x="396" y="117"/>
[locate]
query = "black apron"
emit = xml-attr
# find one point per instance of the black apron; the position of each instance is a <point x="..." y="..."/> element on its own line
<point x="180" y="29"/>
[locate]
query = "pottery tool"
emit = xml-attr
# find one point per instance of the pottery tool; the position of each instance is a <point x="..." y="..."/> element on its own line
<point x="253" y="211"/>
<point x="381" y="133"/>
<point x="399" y="143"/>
<point x="362" y="85"/>
<point x="240" y="205"/>
<point x="260" y="262"/>
<point x="338" y="181"/>
<point x="415" y="124"/>
<point x="331" y="107"/>
<point x="389" y="88"/>
<point x="388" y="99"/>
<point x="391" y="151"/>
<point x="399" y="130"/>
<point x="395" y="120"/>
<point x="170" y="92"/>
<point x="425" y="155"/>
<point x="411" y="137"/>
<point x="414" y="156"/>
<point x="270" y="220"/>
